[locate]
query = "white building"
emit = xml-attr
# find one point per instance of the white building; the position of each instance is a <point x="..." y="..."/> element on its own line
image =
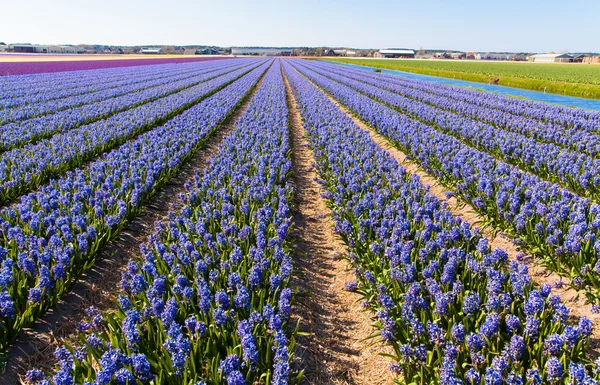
<point x="396" y="53"/>
<point x="37" y="48"/>
<point x="150" y="51"/>
<point x="494" y="56"/>
<point x="551" y="58"/>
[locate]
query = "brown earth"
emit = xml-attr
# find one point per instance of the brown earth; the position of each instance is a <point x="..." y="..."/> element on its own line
<point x="335" y="352"/>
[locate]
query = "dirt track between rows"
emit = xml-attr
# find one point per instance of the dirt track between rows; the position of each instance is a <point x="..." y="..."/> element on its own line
<point x="336" y="351"/>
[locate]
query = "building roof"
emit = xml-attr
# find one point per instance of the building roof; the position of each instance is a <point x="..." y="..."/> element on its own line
<point x="550" y="55"/>
<point x="397" y="51"/>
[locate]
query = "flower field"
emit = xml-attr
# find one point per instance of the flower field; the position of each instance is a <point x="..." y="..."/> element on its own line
<point x="33" y="64"/>
<point x="213" y="294"/>
<point x="575" y="80"/>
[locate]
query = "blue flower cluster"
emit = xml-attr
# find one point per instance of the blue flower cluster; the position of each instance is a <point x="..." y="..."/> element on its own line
<point x="559" y="226"/>
<point x="25" y="168"/>
<point x="454" y="310"/>
<point x="54" y="234"/>
<point x="19" y="133"/>
<point x="207" y="301"/>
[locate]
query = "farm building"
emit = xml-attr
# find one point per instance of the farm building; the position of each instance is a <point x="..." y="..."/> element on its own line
<point x="34" y="48"/>
<point x="578" y="58"/>
<point x="336" y="52"/>
<point x="396" y="53"/>
<point x="24" y="48"/>
<point x="261" y="51"/>
<point x="147" y="50"/>
<point x="3" y="47"/>
<point x="494" y="56"/>
<point x="63" y="49"/>
<point x="551" y="58"/>
<point x="350" y="53"/>
<point x="458" y="55"/>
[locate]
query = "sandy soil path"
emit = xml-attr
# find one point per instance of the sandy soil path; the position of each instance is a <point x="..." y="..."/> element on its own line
<point x="335" y="352"/>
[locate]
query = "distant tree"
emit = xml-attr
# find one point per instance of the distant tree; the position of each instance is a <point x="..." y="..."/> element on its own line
<point x="169" y="49"/>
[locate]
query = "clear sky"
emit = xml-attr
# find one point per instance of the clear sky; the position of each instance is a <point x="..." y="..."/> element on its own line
<point x="469" y="25"/>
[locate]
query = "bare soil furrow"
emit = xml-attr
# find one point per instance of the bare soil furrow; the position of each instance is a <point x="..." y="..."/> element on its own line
<point x="336" y="351"/>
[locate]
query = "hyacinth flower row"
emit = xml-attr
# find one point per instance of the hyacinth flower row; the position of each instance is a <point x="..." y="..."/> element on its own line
<point x="25" y="168"/>
<point x="17" y="134"/>
<point x="56" y="90"/>
<point x="23" y="89"/>
<point x="530" y="110"/>
<point x="579" y="139"/>
<point x="207" y="300"/>
<point x="71" y="79"/>
<point x="544" y="112"/>
<point x="133" y="83"/>
<point x="556" y="225"/>
<point x="454" y="310"/>
<point x="53" y="235"/>
<point x="573" y="170"/>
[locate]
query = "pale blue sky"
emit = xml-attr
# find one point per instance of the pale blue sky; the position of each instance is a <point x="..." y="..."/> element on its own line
<point x="470" y="25"/>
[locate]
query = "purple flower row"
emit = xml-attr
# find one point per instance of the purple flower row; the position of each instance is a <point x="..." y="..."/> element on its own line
<point x="27" y="68"/>
<point x="17" y="134"/>
<point x="454" y="310"/>
<point x="25" y="168"/>
<point x="18" y="90"/>
<point x="120" y="86"/>
<point x="207" y="300"/>
<point x="53" y="235"/>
